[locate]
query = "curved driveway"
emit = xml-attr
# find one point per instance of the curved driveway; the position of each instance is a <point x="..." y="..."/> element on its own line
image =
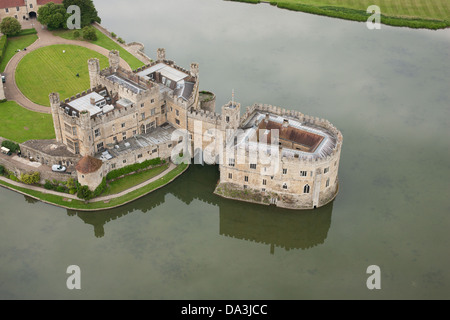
<point x="46" y="38"/>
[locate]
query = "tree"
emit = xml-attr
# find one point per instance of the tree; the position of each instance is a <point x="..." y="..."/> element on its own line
<point x="32" y="178"/>
<point x="88" y="12"/>
<point x="89" y="33"/>
<point x="54" y="16"/>
<point x="10" y="26"/>
<point x="84" y="193"/>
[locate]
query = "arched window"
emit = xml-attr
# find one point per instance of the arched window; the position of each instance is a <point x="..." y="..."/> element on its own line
<point x="328" y="183"/>
<point x="306" y="189"/>
<point x="285" y="186"/>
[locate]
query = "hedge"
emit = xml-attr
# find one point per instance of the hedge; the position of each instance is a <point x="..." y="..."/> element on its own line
<point x="12" y="146"/>
<point x="133" y="168"/>
<point x="25" y="32"/>
<point x="3" y="44"/>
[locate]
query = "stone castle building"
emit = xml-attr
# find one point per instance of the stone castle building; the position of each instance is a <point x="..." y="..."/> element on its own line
<point x="129" y="117"/>
<point x="22" y="9"/>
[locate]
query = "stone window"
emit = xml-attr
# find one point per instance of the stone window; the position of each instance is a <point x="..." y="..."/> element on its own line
<point x="31" y="6"/>
<point x="284" y="171"/>
<point x="68" y="128"/>
<point x="154" y="150"/>
<point x="113" y="166"/>
<point x="97" y="132"/>
<point x="124" y="135"/>
<point x="123" y="125"/>
<point x="303" y="173"/>
<point x="328" y="183"/>
<point x="231" y="162"/>
<point x="142" y="105"/>
<point x="153" y="111"/>
<point x="153" y="100"/>
<point x="230" y="176"/>
<point x="74" y="131"/>
<point x="177" y="121"/>
<point x="77" y="148"/>
<point x="169" y="145"/>
<point x="264" y="182"/>
<point x="82" y="176"/>
<point x="228" y="119"/>
<point x="246" y="178"/>
<point x="100" y="147"/>
<point x="253" y="166"/>
<point x="306" y="189"/>
<point x="134" y="132"/>
<point x="139" y="156"/>
<point x="143" y="115"/>
<point x="7" y="10"/>
<point x="245" y="186"/>
<point x="125" y="161"/>
<point x="177" y="112"/>
<point x="17" y="8"/>
<point x="285" y="186"/>
<point x="263" y="189"/>
<point x="326" y="170"/>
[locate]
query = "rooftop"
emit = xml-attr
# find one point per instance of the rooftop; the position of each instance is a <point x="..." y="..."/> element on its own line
<point x="11" y="3"/>
<point x="50" y="147"/>
<point x="88" y="165"/>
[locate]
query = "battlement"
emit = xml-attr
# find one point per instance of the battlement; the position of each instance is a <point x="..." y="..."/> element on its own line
<point x="205" y="116"/>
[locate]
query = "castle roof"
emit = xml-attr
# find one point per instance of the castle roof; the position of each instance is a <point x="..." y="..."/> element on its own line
<point x="88" y="165"/>
<point x="42" y="2"/>
<point x="11" y="3"/>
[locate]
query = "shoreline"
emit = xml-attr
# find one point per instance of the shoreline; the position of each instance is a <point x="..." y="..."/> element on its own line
<point x="351" y="14"/>
<point x="34" y="194"/>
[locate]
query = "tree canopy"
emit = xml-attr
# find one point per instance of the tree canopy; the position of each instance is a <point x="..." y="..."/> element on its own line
<point x="88" y="12"/>
<point x="54" y="16"/>
<point x="10" y="26"/>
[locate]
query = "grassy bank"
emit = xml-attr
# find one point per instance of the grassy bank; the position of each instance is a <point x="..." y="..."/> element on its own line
<point x="53" y="69"/>
<point x="20" y="124"/>
<point x="407" y="13"/>
<point x="100" y="205"/>
<point x="105" y="42"/>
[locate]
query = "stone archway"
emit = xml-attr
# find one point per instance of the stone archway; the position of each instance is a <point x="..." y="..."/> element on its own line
<point x="32" y="14"/>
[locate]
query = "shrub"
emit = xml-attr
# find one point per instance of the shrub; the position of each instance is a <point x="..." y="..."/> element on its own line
<point x="61" y="189"/>
<point x="48" y="185"/>
<point x="84" y="193"/>
<point x="3" y="44"/>
<point x="89" y="33"/>
<point x="13" y="178"/>
<point x="99" y="190"/>
<point x="73" y="191"/>
<point x="31" y="178"/>
<point x="14" y="147"/>
<point x="26" y="32"/>
<point x="2" y="170"/>
<point x="113" y="35"/>
<point x="10" y="26"/>
<point x="76" y="34"/>
<point x="120" y="40"/>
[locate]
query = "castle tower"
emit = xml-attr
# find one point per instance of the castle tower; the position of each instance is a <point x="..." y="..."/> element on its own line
<point x="114" y="60"/>
<point x="94" y="71"/>
<point x="194" y="69"/>
<point x="55" y="104"/>
<point x="231" y="117"/>
<point x="87" y="146"/>
<point x="161" y="54"/>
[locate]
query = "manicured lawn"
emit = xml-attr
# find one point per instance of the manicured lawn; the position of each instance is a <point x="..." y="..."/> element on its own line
<point x="20" y="125"/>
<point x="49" y="69"/>
<point x="105" y="42"/>
<point x="127" y="182"/>
<point x="76" y="204"/>
<point x="14" y="44"/>
<point x="404" y="9"/>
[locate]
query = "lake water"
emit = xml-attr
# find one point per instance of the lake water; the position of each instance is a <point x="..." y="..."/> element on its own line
<point x="387" y="90"/>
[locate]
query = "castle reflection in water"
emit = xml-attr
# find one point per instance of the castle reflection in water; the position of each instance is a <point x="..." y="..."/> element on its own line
<point x="273" y="226"/>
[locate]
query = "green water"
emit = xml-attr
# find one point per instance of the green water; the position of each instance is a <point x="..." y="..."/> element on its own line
<point x="387" y="91"/>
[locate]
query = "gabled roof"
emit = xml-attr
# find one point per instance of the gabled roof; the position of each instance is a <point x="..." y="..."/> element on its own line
<point x="88" y="165"/>
<point x="42" y="2"/>
<point x="12" y="3"/>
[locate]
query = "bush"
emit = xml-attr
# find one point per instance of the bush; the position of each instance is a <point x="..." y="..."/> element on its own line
<point x="14" y="147"/>
<point x="113" y="35"/>
<point x="48" y="185"/>
<point x="61" y="189"/>
<point x="2" y="170"/>
<point x="133" y="168"/>
<point x="3" y="45"/>
<point x="73" y="191"/>
<point x="76" y="34"/>
<point x="13" y="178"/>
<point x="89" y="33"/>
<point x="99" y="190"/>
<point x="10" y="26"/>
<point x="84" y="193"/>
<point x="32" y="178"/>
<point x="120" y="40"/>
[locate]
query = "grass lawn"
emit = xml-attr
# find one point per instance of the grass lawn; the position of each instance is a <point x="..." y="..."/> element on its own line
<point x="105" y="42"/>
<point x="77" y="204"/>
<point x="48" y="70"/>
<point x="127" y="182"/>
<point x="20" y="125"/>
<point x="14" y="44"/>
<point x="404" y="9"/>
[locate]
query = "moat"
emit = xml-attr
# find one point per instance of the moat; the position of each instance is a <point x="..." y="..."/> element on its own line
<point x="386" y="90"/>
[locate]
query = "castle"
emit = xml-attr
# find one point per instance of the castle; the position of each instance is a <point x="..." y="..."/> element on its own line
<point x="22" y="9"/>
<point x="268" y="155"/>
